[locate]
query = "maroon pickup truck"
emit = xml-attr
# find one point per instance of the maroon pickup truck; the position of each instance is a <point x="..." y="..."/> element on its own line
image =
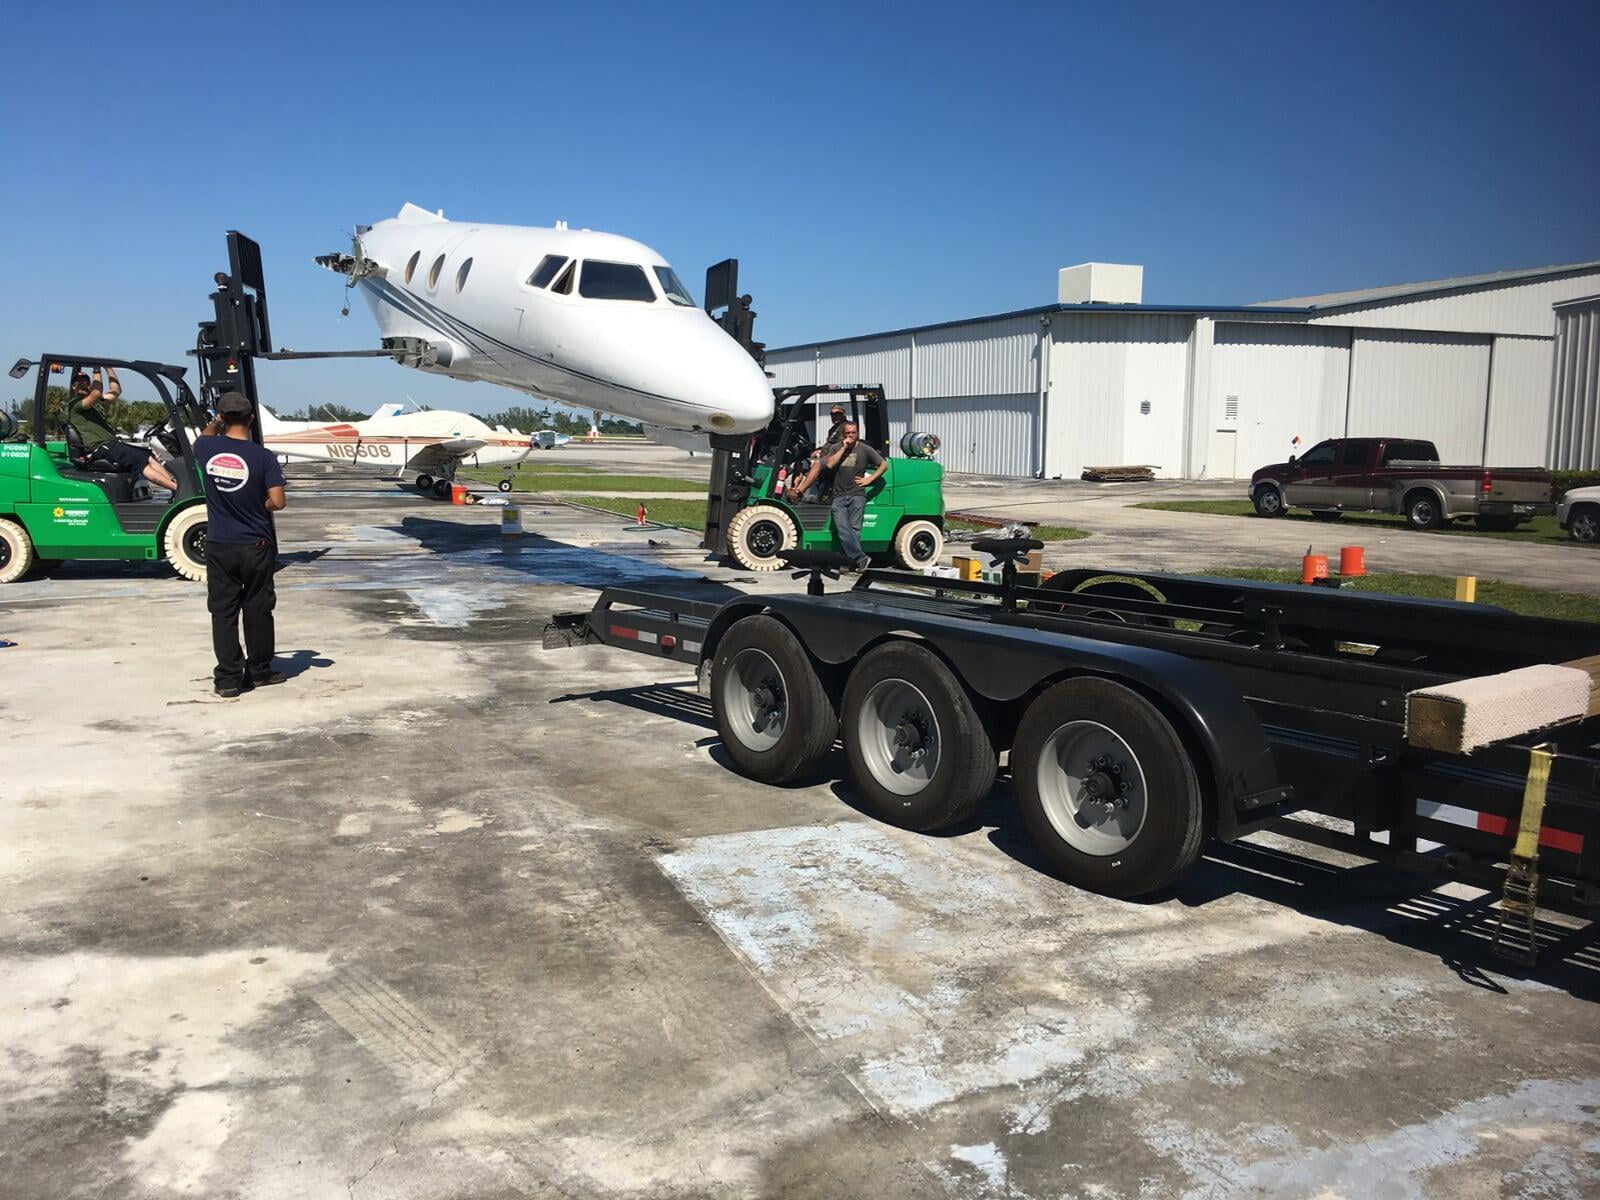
<point x="1400" y="475"/>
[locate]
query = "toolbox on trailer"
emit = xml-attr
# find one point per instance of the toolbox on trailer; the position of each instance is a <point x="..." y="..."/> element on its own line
<point x="1144" y="714"/>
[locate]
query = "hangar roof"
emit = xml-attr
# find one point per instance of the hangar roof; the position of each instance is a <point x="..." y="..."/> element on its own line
<point x="1397" y="291"/>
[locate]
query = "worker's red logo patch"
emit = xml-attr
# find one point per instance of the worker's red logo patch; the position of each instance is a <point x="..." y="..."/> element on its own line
<point x="227" y="472"/>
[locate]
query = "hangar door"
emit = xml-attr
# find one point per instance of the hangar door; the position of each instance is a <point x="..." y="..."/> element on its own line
<point x="1272" y="383"/>
<point x="1413" y="384"/>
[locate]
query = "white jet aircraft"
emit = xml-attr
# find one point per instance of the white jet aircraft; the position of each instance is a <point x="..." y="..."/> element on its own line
<point x="431" y="442"/>
<point x="590" y="320"/>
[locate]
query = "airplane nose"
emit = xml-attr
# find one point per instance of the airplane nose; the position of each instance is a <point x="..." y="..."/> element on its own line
<point x="740" y="396"/>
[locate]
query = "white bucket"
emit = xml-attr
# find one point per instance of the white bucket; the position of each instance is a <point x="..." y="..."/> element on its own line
<point x="511" y="521"/>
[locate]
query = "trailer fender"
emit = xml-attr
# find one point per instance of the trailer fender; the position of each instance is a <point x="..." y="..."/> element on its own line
<point x="1010" y="663"/>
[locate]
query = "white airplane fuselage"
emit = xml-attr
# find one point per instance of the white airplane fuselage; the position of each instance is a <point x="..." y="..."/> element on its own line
<point x="433" y="441"/>
<point x="591" y="320"/>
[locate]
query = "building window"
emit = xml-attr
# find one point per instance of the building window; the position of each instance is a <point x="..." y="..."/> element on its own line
<point x="461" y="275"/>
<point x="614" y="281"/>
<point x="411" y="267"/>
<point x="546" y="270"/>
<point x="433" y="273"/>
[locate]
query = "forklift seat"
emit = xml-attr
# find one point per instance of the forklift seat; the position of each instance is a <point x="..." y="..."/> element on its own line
<point x="117" y="484"/>
<point x="84" y="460"/>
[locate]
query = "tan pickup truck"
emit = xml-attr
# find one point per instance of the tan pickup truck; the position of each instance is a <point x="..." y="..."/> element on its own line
<point x="1401" y="475"/>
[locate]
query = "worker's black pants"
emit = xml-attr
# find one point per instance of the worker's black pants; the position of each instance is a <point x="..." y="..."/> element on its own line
<point x="239" y="579"/>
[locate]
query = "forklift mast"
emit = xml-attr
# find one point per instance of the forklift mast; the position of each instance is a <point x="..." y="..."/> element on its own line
<point x="228" y="344"/>
<point x="738" y="319"/>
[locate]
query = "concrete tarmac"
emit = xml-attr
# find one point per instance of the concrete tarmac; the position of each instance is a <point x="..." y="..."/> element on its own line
<point x="449" y="915"/>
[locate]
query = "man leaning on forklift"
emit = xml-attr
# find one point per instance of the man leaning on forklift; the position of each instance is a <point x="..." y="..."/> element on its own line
<point x="244" y="483"/>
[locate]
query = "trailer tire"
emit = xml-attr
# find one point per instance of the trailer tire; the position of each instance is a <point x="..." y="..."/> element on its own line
<point x="920" y="755"/>
<point x="757" y="535"/>
<point x="184" y="543"/>
<point x="1423" y="510"/>
<point x="761" y="675"/>
<point x="1094" y="734"/>
<point x="918" y="544"/>
<point x="1268" y="501"/>
<point x="16" y="552"/>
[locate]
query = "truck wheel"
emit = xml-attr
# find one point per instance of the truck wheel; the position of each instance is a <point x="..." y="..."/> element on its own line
<point x="918" y="544"/>
<point x="919" y="753"/>
<point x="16" y="552"/>
<point x="1106" y="788"/>
<point x="1423" y="512"/>
<point x="1583" y="524"/>
<point x="775" y="717"/>
<point x="1268" y="501"/>
<point x="185" y="543"/>
<point x="758" y="534"/>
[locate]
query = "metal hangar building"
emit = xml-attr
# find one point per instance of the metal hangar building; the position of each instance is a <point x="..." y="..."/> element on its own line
<point x="1501" y="369"/>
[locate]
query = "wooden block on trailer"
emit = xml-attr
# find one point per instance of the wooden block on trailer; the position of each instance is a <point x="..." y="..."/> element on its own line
<point x="1465" y="715"/>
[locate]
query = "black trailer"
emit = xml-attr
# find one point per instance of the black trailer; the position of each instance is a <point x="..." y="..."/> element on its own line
<point x="1145" y="714"/>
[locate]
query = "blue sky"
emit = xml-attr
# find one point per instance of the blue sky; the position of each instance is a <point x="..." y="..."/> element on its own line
<point x="871" y="166"/>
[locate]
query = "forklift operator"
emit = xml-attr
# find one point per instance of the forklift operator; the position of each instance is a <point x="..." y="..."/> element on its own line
<point x="86" y="414"/>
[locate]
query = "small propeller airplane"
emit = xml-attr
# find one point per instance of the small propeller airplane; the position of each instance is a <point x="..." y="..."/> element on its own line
<point x="590" y="320"/>
<point x="434" y="443"/>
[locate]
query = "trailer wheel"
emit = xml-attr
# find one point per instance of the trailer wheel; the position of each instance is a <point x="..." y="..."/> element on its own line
<point x="918" y="544"/>
<point x="1422" y="510"/>
<point x="16" y="552"/>
<point x="1107" y="789"/>
<point x="759" y="534"/>
<point x="1268" y="501"/>
<point x="775" y="717"/>
<point x="919" y="753"/>
<point x="185" y="543"/>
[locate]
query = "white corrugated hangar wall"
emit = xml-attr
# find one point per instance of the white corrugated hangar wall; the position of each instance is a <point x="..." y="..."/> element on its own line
<point x="1502" y="374"/>
<point x="975" y="385"/>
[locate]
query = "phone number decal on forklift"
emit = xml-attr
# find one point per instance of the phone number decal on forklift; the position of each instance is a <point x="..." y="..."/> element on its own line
<point x="70" y="516"/>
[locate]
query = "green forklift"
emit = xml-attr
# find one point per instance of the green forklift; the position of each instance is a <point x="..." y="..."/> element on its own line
<point x="58" y="502"/>
<point x="753" y="518"/>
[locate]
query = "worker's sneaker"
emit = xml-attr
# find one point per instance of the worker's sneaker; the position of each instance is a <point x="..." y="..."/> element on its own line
<point x="229" y="691"/>
<point x="267" y="679"/>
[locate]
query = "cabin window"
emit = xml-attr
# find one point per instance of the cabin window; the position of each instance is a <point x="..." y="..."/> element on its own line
<point x="433" y="274"/>
<point x="614" y="281"/>
<point x="461" y="275"/>
<point x="563" y="286"/>
<point x="546" y="270"/>
<point x="673" y="287"/>
<point x="411" y="267"/>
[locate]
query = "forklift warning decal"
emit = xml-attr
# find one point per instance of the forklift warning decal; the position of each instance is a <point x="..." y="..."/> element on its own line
<point x="228" y="472"/>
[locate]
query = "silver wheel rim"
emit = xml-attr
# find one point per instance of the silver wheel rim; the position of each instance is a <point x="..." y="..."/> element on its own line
<point x="755" y="699"/>
<point x="899" y="737"/>
<point x="1586" y="526"/>
<point x="1092" y="788"/>
<point x="1422" y="512"/>
<point x="1270" y="500"/>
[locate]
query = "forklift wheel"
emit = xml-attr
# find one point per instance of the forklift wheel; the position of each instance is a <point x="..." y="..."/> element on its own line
<point x="16" y="552"/>
<point x="759" y="534"/>
<point x="185" y="543"/>
<point x="1106" y="788"/>
<point x="918" y="544"/>
<point x="504" y="485"/>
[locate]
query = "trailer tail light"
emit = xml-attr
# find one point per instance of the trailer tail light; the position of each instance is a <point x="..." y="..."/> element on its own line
<point x="1488" y="482"/>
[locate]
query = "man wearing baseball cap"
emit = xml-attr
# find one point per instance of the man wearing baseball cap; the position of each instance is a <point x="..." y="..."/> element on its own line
<point x="244" y="486"/>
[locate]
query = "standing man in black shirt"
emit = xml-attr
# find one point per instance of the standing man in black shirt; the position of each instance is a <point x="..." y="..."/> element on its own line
<point x="855" y="468"/>
<point x="244" y="484"/>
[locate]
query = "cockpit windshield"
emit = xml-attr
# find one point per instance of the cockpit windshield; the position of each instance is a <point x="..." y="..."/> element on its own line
<point x="614" y="281"/>
<point x="673" y="287"/>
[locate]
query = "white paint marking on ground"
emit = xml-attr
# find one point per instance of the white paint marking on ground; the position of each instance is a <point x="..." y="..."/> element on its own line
<point x="1562" y="1114"/>
<point x="451" y="607"/>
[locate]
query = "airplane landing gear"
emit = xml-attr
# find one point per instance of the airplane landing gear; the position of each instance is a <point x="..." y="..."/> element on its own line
<point x="424" y="483"/>
<point x="505" y="484"/>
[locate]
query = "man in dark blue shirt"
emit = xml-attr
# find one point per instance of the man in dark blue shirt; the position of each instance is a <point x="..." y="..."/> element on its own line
<point x="244" y="485"/>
